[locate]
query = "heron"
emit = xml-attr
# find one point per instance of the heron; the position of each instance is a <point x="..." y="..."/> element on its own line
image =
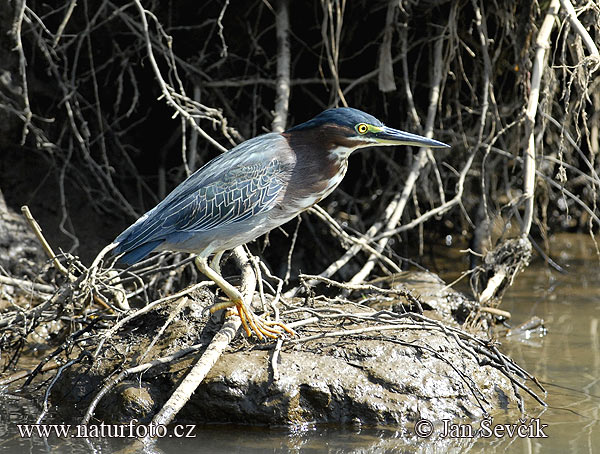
<point x="253" y="188"/>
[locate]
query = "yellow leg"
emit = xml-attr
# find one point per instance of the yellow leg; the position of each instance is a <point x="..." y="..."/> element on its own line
<point x="215" y="263"/>
<point x="250" y="321"/>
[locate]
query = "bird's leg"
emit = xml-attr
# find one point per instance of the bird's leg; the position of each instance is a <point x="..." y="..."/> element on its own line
<point x="215" y="263"/>
<point x="250" y="321"/>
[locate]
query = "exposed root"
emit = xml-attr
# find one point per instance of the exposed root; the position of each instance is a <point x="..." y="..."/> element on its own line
<point x="500" y="266"/>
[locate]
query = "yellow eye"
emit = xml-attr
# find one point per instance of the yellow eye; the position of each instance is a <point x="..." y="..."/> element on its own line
<point x="362" y="128"/>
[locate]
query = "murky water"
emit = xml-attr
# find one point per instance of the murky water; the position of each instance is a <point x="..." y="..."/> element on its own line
<point x="566" y="360"/>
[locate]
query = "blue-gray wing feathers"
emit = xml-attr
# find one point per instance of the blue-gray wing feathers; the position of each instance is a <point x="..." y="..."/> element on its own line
<point x="231" y="188"/>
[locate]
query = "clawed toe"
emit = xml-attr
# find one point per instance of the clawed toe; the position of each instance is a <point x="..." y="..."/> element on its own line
<point x="261" y="327"/>
<point x="253" y="323"/>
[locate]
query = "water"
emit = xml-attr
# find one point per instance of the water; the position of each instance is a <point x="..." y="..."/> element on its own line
<point x="566" y="360"/>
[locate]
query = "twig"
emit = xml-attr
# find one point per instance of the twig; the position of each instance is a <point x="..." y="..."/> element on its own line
<point x="38" y="233"/>
<point x="63" y="24"/>
<point x="516" y="383"/>
<point x="16" y="32"/>
<point x="288" y="270"/>
<point x="27" y="285"/>
<point x="117" y="326"/>
<point x="552" y="182"/>
<point x="367" y="287"/>
<point x="331" y="31"/>
<point x="61" y="369"/>
<point x="477" y="394"/>
<point x="166" y="90"/>
<point x="497" y="312"/>
<point x="337" y="230"/>
<point x="65" y="346"/>
<point x="193" y="145"/>
<point x="587" y="39"/>
<point x="27" y="373"/>
<point x="220" y="25"/>
<point x="437" y="211"/>
<point x="412" y="110"/>
<point x="172" y="314"/>
<point x="349" y="332"/>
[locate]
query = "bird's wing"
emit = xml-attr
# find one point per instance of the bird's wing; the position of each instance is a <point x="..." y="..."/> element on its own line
<point x="240" y="192"/>
<point x="233" y="187"/>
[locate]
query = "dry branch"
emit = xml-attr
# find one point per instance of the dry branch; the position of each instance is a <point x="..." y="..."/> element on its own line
<point x="167" y="91"/>
<point x="214" y="350"/>
<point x="282" y="25"/>
<point x="396" y="207"/>
<point x="543" y="44"/>
<point x="585" y="36"/>
<point x="45" y="245"/>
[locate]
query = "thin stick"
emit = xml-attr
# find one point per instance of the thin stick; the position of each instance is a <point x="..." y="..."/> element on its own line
<point x="174" y="313"/>
<point x="585" y="36"/>
<point x="339" y="231"/>
<point x="134" y="370"/>
<point x="27" y="373"/>
<point x="63" y="24"/>
<point x="117" y="326"/>
<point x="45" y="245"/>
<point x="332" y="42"/>
<point x="439" y="210"/>
<point x="61" y="369"/>
<point x="348" y="332"/>
<point x="16" y="32"/>
<point x="27" y="285"/>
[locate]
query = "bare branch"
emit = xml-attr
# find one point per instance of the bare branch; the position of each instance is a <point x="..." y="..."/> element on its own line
<point x="542" y="43"/>
<point x="282" y="25"/>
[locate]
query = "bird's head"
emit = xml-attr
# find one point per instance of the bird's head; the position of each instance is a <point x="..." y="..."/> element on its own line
<point x="344" y="129"/>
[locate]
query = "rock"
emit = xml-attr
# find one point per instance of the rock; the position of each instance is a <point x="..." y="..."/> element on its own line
<point x="388" y="378"/>
<point x="371" y="377"/>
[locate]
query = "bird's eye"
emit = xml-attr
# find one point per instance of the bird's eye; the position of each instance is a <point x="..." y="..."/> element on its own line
<point x="362" y="128"/>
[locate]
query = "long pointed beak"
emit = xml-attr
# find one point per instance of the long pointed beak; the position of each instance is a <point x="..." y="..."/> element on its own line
<point x="391" y="136"/>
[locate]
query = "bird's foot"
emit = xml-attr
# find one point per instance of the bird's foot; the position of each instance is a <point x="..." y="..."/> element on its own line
<point x="252" y="322"/>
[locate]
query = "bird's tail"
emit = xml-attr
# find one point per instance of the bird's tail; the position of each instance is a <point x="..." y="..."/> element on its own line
<point x="136" y="253"/>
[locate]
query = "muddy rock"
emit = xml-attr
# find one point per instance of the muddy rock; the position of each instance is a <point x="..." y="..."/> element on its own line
<point x="367" y="381"/>
<point x="392" y="376"/>
<point x="389" y="377"/>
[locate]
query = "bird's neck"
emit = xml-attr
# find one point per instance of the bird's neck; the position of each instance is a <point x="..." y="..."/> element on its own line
<point x="327" y="142"/>
<point x="319" y="168"/>
<point x="318" y="153"/>
<point x="340" y="152"/>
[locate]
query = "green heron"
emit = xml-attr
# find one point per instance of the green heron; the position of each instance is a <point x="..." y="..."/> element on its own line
<point x="258" y="185"/>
